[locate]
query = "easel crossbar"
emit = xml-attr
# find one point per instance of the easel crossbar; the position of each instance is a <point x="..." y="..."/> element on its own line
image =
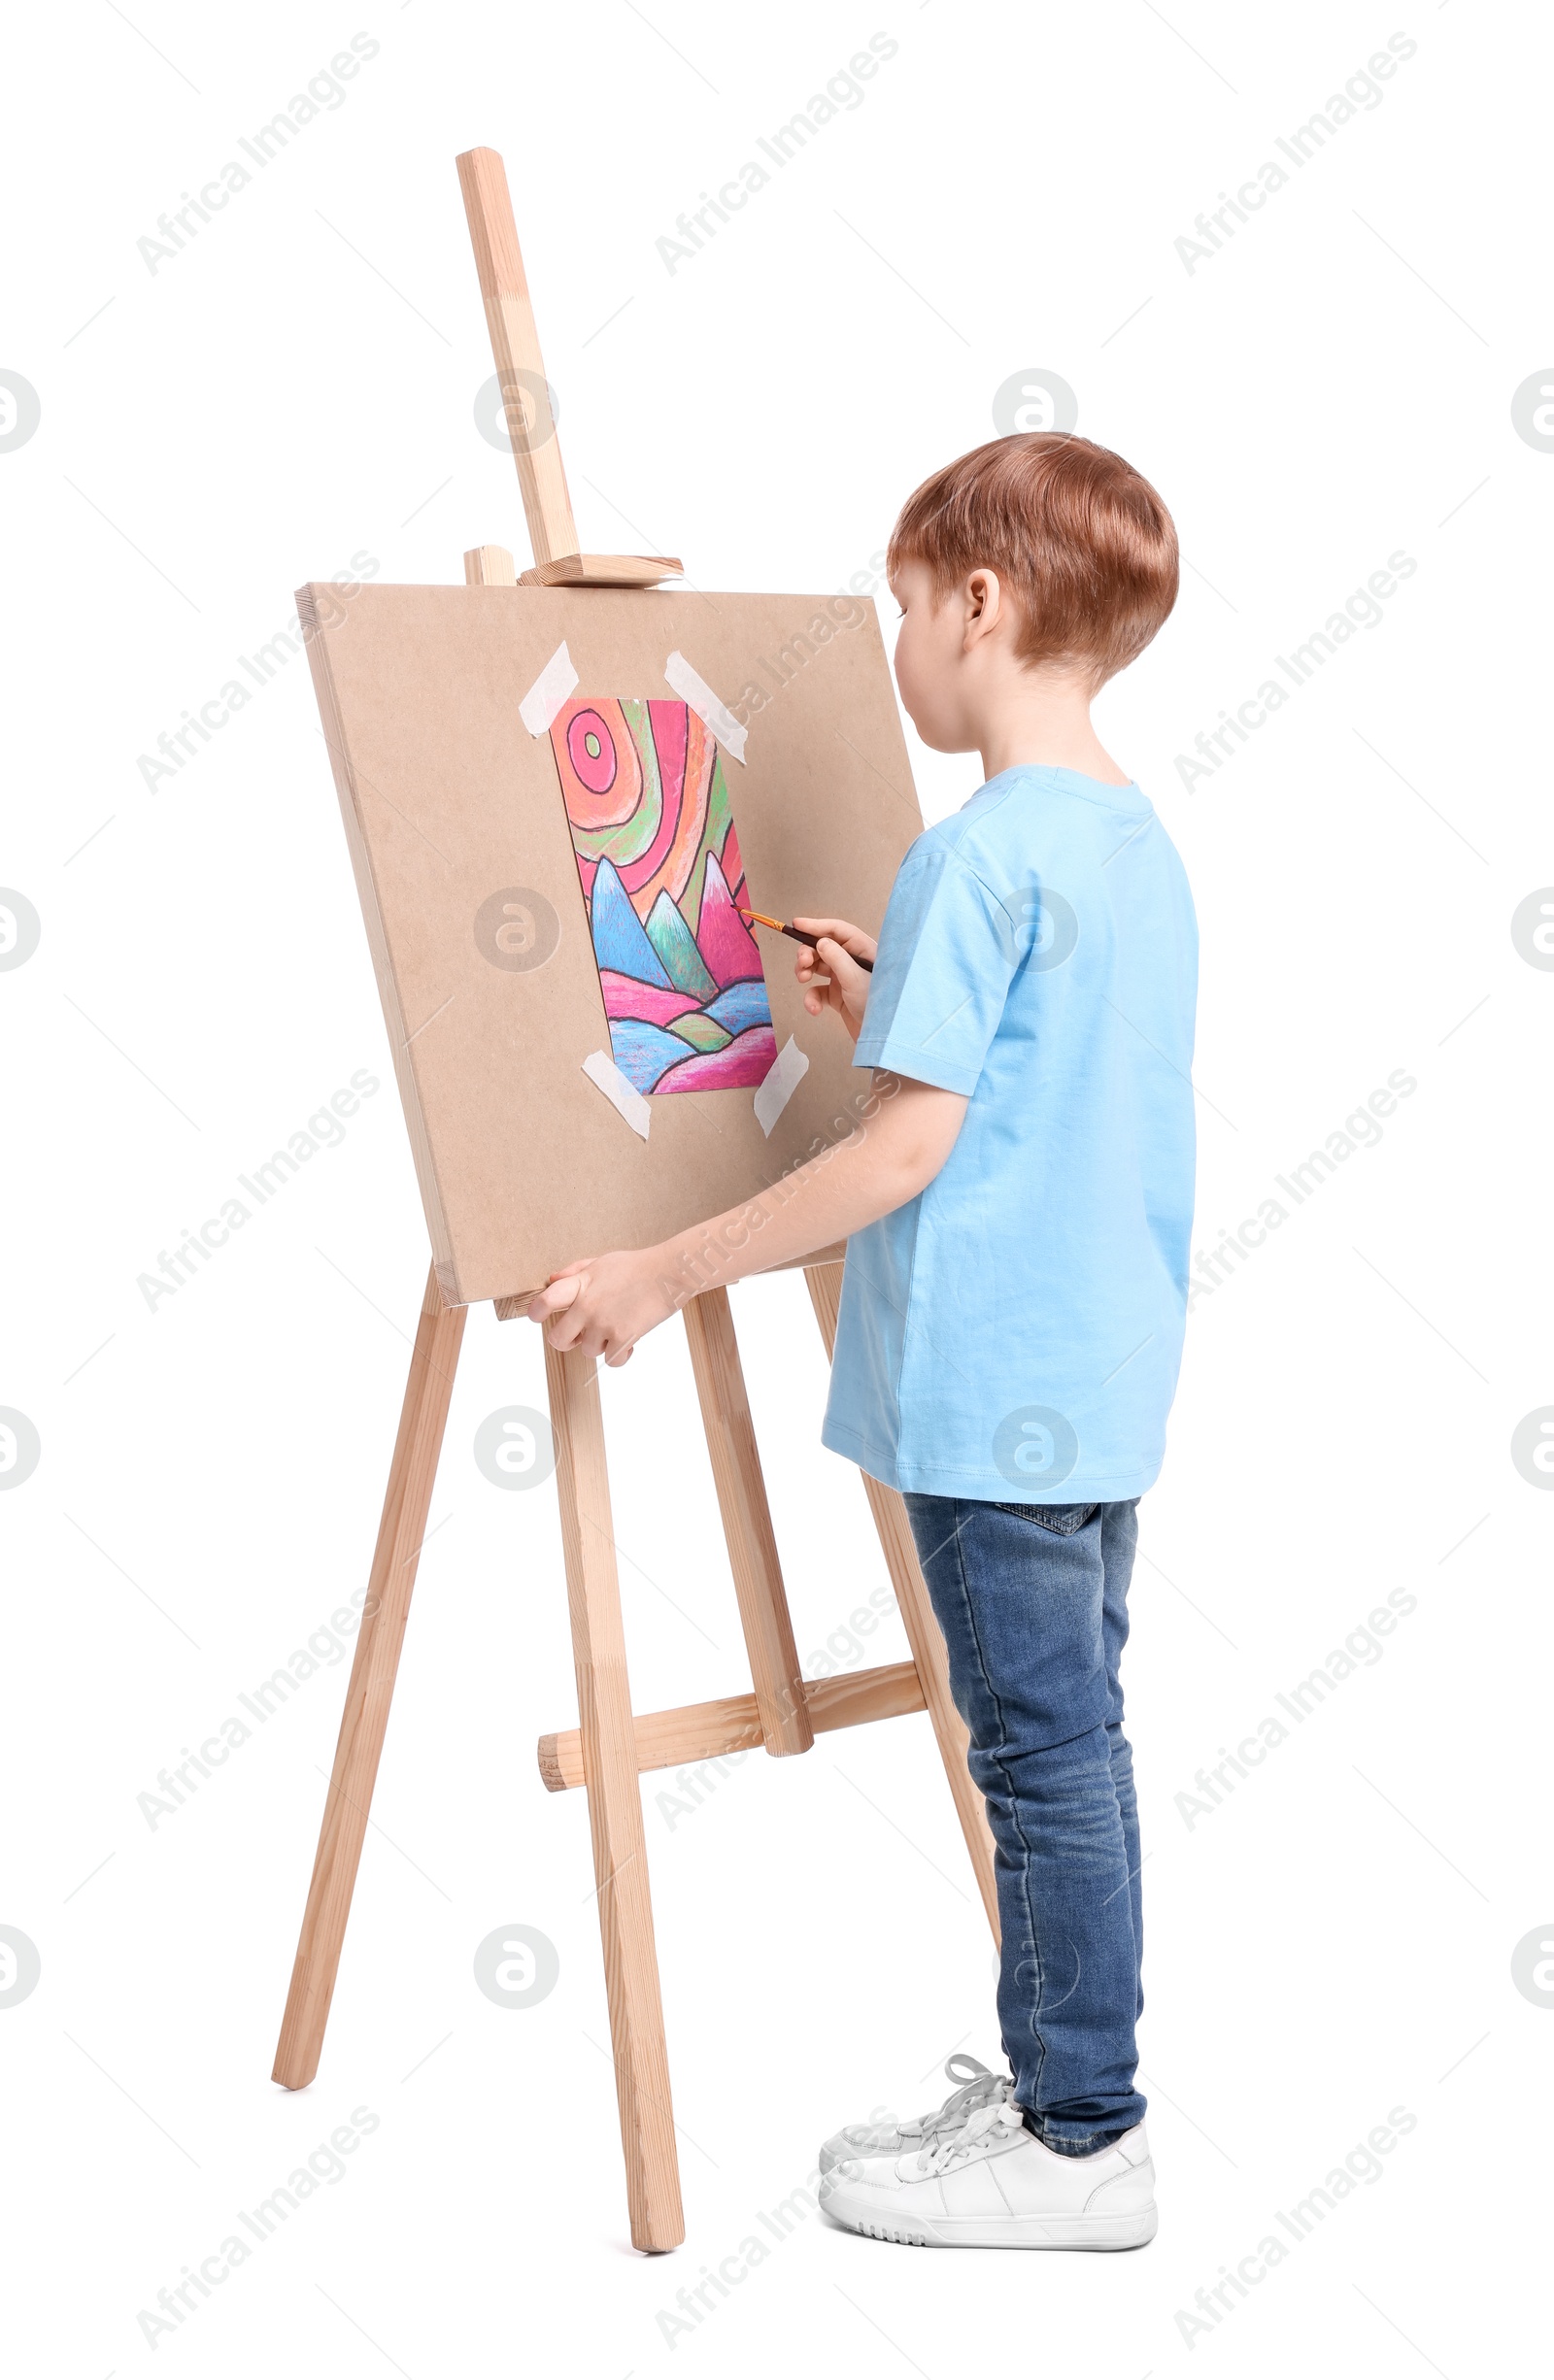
<point x="705" y="1731"/>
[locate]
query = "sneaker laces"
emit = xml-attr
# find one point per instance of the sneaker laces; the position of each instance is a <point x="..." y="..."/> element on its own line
<point x="985" y="2125"/>
<point x="978" y="2088"/>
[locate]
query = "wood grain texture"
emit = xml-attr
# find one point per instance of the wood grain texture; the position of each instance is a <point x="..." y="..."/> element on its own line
<point x="747" y="1523"/>
<point x="615" y="1803"/>
<point x="489" y="567"/>
<point x="411" y="1476"/>
<point x="515" y="347"/>
<point x="705" y="1730"/>
<point x="604" y="570"/>
<point x="923" y="1632"/>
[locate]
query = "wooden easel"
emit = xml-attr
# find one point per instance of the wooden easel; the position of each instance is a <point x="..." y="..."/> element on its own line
<point x="610" y="1745"/>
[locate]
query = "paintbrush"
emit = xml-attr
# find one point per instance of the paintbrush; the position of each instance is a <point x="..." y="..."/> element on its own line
<point x="796" y="933"/>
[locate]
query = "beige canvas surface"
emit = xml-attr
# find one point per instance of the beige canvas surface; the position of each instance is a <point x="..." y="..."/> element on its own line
<point x="450" y="801"/>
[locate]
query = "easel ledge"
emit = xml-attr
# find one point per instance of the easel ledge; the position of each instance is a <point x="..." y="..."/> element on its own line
<point x="610" y="1746"/>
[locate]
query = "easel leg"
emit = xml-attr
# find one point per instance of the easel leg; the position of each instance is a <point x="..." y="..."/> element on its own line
<point x="615" y="1804"/>
<point x="747" y="1523"/>
<point x="923" y="1632"/>
<point x="411" y="1475"/>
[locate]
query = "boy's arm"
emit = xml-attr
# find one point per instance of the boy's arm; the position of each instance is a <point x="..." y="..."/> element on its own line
<point x="605" y="1304"/>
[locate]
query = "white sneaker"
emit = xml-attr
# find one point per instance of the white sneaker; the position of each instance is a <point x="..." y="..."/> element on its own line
<point x="893" y="2136"/>
<point x="993" y="2185"/>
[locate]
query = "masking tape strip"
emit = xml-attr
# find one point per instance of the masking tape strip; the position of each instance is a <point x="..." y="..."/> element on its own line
<point x="548" y="692"/>
<point x="704" y="702"/>
<point x="780" y="1083"/>
<point x="623" y="1096"/>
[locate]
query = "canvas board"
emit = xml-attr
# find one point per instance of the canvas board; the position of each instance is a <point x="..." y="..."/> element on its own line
<point x="543" y="844"/>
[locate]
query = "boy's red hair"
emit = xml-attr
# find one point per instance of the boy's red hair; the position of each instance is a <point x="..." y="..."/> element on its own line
<point x="1079" y="538"/>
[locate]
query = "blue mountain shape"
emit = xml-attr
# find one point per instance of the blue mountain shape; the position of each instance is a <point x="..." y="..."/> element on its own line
<point x="618" y="941"/>
<point x="643" y="1052"/>
<point x="671" y="937"/>
<point x="741" y="1005"/>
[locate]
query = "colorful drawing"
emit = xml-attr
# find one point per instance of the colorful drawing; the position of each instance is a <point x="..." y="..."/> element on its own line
<point x="659" y="856"/>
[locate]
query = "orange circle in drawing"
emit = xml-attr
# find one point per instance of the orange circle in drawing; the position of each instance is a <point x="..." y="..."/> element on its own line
<point x="590" y="748"/>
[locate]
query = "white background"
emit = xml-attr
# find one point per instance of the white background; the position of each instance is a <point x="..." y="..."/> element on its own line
<point x="296" y="385"/>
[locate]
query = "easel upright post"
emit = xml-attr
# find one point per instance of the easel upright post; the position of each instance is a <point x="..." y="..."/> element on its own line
<point x="516" y="346"/>
<point x="581" y="1477"/>
<point x="527" y="396"/>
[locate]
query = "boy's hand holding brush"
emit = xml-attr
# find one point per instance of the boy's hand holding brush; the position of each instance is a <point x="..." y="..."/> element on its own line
<point x="833" y="966"/>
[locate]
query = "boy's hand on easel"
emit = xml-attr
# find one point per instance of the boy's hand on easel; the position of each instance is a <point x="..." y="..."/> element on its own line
<point x="836" y="953"/>
<point x="602" y="1305"/>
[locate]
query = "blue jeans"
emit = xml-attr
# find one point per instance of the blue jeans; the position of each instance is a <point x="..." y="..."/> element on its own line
<point x="1032" y="1599"/>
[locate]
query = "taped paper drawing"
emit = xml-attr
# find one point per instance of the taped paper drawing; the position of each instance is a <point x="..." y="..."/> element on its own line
<point x="646" y="799"/>
<point x="548" y="833"/>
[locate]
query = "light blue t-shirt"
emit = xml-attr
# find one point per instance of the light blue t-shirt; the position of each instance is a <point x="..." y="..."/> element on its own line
<point x="1014" y="1332"/>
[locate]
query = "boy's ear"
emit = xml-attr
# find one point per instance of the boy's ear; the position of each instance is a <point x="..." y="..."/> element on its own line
<point x="984" y="605"/>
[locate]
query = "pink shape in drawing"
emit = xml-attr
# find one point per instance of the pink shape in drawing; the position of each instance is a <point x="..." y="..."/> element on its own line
<point x="624" y="996"/>
<point x="748" y="1058"/>
<point x="595" y="769"/>
<point x="722" y="937"/>
<point x="669" y="724"/>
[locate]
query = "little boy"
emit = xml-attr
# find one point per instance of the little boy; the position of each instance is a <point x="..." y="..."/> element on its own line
<point x="1017" y="1207"/>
